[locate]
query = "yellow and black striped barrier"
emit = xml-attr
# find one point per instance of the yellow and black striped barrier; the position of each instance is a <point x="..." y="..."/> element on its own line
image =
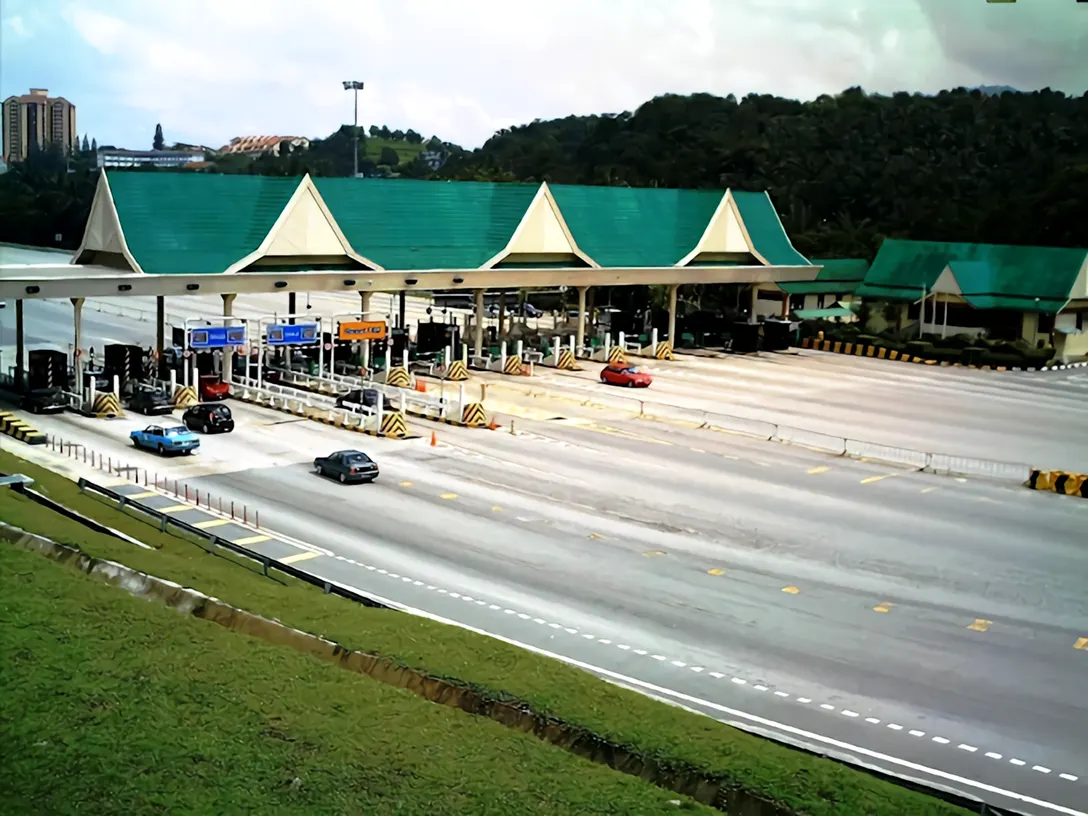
<point x="398" y="378"/>
<point x="664" y="350"/>
<point x="458" y="371"/>
<point x="473" y="415"/>
<point x="882" y="353"/>
<point x="393" y="425"/>
<point x="616" y="355"/>
<point x="512" y="366"/>
<point x="1059" y="481"/>
<point x="106" y="406"/>
<point x="185" y="396"/>
<point x="566" y="360"/>
<point x="12" y="426"/>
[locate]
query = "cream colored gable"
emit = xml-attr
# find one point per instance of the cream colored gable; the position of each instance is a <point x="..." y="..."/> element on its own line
<point x="305" y="229"/>
<point x="542" y="232"/>
<point x="1080" y="285"/>
<point x="103" y="231"/>
<point x="723" y="235"/>
<point x="947" y="284"/>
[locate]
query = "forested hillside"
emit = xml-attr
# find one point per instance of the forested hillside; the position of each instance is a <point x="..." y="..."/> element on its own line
<point x="843" y="170"/>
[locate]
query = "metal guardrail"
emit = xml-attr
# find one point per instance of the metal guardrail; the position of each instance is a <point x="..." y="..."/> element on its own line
<point x="266" y="562"/>
<point x="939" y="463"/>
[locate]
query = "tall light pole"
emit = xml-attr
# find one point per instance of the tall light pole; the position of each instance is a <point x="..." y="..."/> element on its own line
<point x="356" y="86"/>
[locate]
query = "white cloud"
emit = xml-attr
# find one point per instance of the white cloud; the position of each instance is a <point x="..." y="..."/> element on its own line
<point x="17" y="26"/>
<point x="465" y="69"/>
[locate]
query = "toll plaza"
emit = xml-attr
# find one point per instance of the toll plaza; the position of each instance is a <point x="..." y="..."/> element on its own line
<point x="173" y="235"/>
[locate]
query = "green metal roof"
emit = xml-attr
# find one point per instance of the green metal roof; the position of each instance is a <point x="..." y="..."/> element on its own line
<point x="636" y="226"/>
<point x="412" y="224"/>
<point x="766" y="231"/>
<point x="991" y="276"/>
<point x="188" y="223"/>
<point x="839" y="276"/>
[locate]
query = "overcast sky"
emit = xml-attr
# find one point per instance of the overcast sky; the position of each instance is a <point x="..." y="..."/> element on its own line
<point x="209" y="70"/>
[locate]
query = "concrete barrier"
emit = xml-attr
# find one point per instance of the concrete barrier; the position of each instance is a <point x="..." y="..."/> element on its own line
<point x="1059" y="481"/>
<point x="810" y="439"/>
<point x="889" y="454"/>
<point x="12" y="426"/>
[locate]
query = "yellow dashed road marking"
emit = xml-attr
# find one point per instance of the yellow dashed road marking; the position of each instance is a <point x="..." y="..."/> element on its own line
<point x="255" y="539"/>
<point x="883" y="607"/>
<point x="405" y="484"/>
<point x="980" y="625"/>
<point x="653" y="553"/>
<point x="872" y="479"/>
<point x="147" y="494"/>
<point x="1082" y="643"/>
<point x="215" y="522"/>
<point x="302" y="556"/>
<point x="928" y="489"/>
<point x="820" y="469"/>
<point x="715" y="571"/>
<point x="697" y="450"/>
<point x="449" y="496"/>
<point x="595" y="536"/>
<point x="792" y="590"/>
<point x="176" y="508"/>
<point x="496" y="509"/>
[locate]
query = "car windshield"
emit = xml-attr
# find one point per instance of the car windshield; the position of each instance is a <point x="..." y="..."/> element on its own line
<point x="356" y="458"/>
<point x="633" y="370"/>
<point x="178" y="431"/>
<point x="220" y="411"/>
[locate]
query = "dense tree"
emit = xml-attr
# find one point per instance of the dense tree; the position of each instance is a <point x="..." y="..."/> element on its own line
<point x="435" y="145"/>
<point x="397" y="135"/>
<point x="94" y="145"/>
<point x="86" y="148"/>
<point x="375" y="131"/>
<point x="389" y="157"/>
<point x="384" y="132"/>
<point x="412" y="137"/>
<point x="159" y="142"/>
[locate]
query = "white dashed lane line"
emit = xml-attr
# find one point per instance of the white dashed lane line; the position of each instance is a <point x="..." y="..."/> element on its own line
<point x="696" y="669"/>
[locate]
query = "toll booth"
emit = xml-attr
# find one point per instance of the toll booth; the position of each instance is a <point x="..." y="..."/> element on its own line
<point x="126" y="362"/>
<point x="47" y="368"/>
<point x="435" y="337"/>
<point x="776" y="335"/>
<point x="745" y="337"/>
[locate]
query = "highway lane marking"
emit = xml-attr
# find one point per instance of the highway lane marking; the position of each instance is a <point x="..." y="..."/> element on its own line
<point x="871" y="479"/>
<point x="448" y="496"/>
<point x="255" y="539"/>
<point x="176" y="508"/>
<point x="981" y="625"/>
<point x="653" y="553"/>
<point x="928" y="489"/>
<point x="215" y="522"/>
<point x="791" y="590"/>
<point x="883" y="607"/>
<point x="302" y="556"/>
<point x="819" y="469"/>
<point x="1082" y="643"/>
<point x="496" y="509"/>
<point x="595" y="536"/>
<point x="715" y="571"/>
<point x="147" y="494"/>
<point x="405" y="484"/>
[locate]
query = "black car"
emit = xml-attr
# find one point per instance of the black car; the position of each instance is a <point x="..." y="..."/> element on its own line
<point x="364" y="396"/>
<point x="347" y="466"/>
<point x="150" y="402"/>
<point x="44" y="401"/>
<point x="208" y="418"/>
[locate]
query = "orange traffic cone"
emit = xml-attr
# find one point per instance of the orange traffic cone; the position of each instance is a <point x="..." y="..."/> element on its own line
<point x="492" y="425"/>
<point x="434" y="439"/>
<point x="421" y="386"/>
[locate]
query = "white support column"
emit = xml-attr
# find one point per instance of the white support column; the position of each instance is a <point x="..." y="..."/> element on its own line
<point x="173" y="381"/>
<point x="117" y="386"/>
<point x="196" y="375"/>
<point x="478" y="325"/>
<point x="404" y="358"/>
<point x="228" y="351"/>
<point x="573" y="348"/>
<point x="521" y="349"/>
<point x="653" y="341"/>
<point x="502" y="313"/>
<point x="753" y="303"/>
<point x="502" y="355"/>
<point x="464" y="353"/>
<point x="944" y="324"/>
<point x="623" y="341"/>
<point x="581" y="332"/>
<point x="77" y="325"/>
<point x="672" y="313"/>
<point x="364" y="347"/>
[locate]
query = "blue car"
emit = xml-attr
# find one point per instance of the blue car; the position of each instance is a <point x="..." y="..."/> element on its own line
<point x="166" y="439"/>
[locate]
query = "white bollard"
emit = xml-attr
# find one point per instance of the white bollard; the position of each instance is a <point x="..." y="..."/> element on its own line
<point x="94" y="384"/>
<point x="405" y="357"/>
<point x="623" y="341"/>
<point x="117" y="386"/>
<point x="521" y="349"/>
<point x="461" y="401"/>
<point x="557" y="345"/>
<point x="607" y="345"/>
<point x="403" y="402"/>
<point x="196" y="373"/>
<point x="380" y="406"/>
<point x="653" y="341"/>
<point x="449" y="357"/>
<point x="502" y="356"/>
<point x="572" y="348"/>
<point x="173" y="381"/>
<point x="185" y="373"/>
<point x="464" y="354"/>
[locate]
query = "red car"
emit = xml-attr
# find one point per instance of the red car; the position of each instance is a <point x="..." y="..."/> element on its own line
<point x="212" y="388"/>
<point x="628" y="375"/>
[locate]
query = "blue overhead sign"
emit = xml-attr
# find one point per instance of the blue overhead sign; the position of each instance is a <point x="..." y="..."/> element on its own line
<point x="288" y="334"/>
<point x="212" y="337"/>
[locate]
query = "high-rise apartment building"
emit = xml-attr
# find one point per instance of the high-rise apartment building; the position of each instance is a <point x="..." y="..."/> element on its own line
<point x="38" y="119"/>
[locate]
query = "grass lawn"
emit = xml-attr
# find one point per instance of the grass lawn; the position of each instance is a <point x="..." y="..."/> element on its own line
<point x="112" y="704"/>
<point x="406" y="151"/>
<point x="802" y="783"/>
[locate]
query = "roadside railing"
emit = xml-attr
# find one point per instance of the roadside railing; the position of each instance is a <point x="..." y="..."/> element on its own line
<point x="941" y="463"/>
<point x="166" y="522"/>
<point x="406" y="399"/>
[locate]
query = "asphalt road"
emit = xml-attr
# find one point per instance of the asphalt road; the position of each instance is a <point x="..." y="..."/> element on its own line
<point x="1032" y="417"/>
<point x="922" y="624"/>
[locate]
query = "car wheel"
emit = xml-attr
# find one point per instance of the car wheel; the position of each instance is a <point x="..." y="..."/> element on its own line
<point x="630" y="384"/>
<point x="343" y="479"/>
<point x="205" y="427"/>
<point x="162" y="450"/>
<point x="320" y="471"/>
